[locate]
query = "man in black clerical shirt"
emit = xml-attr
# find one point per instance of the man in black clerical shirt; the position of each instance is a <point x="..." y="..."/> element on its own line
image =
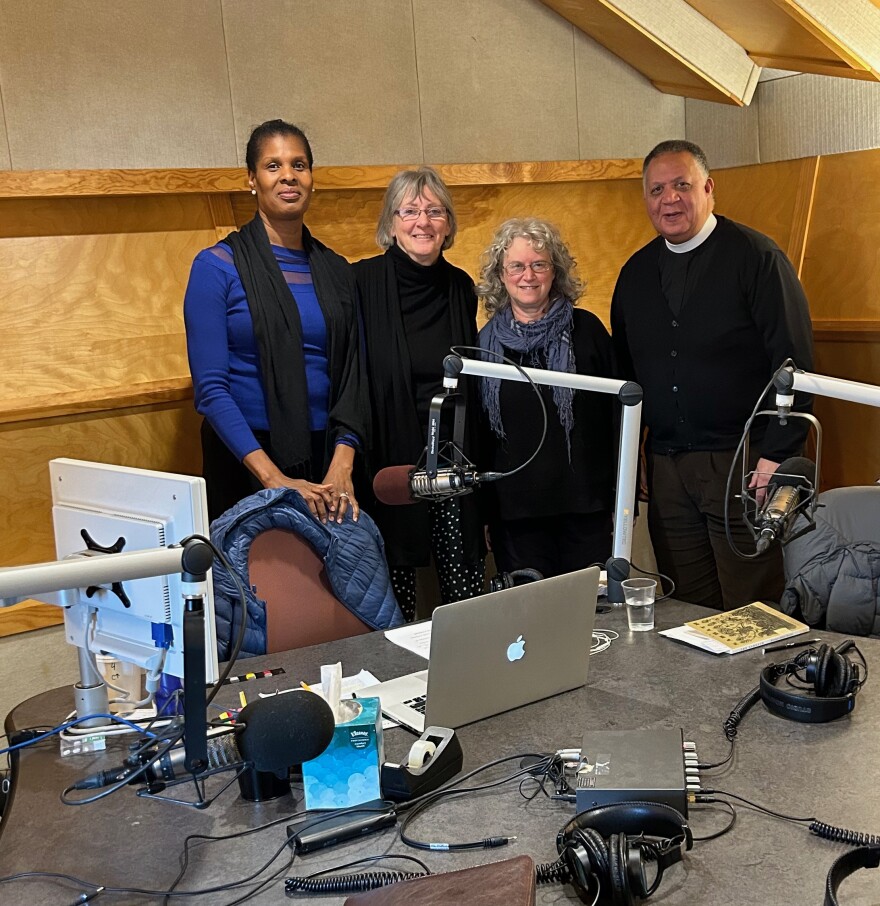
<point x="701" y="317"/>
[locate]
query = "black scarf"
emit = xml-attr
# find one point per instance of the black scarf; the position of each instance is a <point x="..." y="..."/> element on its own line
<point x="278" y="332"/>
<point x="399" y="437"/>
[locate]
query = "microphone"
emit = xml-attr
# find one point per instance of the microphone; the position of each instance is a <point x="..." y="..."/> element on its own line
<point x="402" y="485"/>
<point x="272" y="733"/>
<point x="793" y="481"/>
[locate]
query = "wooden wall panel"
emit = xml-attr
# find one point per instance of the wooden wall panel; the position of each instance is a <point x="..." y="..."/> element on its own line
<point x="602" y="221"/>
<point x="162" y="437"/>
<point x="842" y="266"/>
<point x="92" y="291"/>
<point x="772" y="198"/>
<point x="851" y="431"/>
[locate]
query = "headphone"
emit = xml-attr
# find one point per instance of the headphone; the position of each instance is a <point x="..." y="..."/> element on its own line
<point x="845" y="865"/>
<point x="515" y="577"/>
<point x="606" y="849"/>
<point x="828" y="682"/>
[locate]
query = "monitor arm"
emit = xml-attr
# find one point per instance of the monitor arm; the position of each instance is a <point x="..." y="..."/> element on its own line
<point x="192" y="560"/>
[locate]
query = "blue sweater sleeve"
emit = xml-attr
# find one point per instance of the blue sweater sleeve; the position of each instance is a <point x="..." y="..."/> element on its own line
<point x="211" y="362"/>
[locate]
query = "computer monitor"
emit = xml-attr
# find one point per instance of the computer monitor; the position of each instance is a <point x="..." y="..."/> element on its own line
<point x="96" y="504"/>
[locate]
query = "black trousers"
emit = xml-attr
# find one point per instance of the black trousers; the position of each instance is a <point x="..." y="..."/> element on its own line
<point x="228" y="480"/>
<point x="686" y="519"/>
<point x="553" y="545"/>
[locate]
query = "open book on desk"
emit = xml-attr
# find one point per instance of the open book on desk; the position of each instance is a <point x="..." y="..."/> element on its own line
<point x="738" y="630"/>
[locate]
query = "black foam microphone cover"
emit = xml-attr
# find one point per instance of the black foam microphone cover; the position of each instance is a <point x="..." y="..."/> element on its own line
<point x="285" y="730"/>
<point x="796" y="472"/>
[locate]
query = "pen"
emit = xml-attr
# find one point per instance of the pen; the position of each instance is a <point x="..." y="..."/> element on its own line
<point x="792" y="645"/>
<point x="306" y="686"/>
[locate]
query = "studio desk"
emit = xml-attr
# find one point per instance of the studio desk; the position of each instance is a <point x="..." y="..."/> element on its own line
<point x="830" y="771"/>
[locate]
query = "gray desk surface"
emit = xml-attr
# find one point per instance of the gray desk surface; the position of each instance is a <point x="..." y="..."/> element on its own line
<point x="828" y="771"/>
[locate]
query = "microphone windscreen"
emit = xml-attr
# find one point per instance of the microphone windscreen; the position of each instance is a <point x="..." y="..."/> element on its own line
<point x="285" y="730"/>
<point x="391" y="485"/>
<point x="795" y="472"/>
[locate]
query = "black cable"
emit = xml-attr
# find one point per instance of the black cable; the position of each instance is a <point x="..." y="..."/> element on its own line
<point x="731" y="725"/>
<point x="739" y="448"/>
<point x="534" y="386"/>
<point x="263" y="884"/>
<point x="356" y="882"/>
<point x="554" y="771"/>
<point x="87" y="897"/>
<point x="755" y="805"/>
<point x="165" y="745"/>
<point x="724" y="830"/>
<point x="842" y="835"/>
<point x="139" y="891"/>
<point x="219" y="838"/>
<point x="663" y="576"/>
<point x="416" y="806"/>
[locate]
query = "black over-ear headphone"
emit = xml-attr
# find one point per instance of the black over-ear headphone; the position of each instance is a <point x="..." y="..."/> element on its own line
<point x="829" y="682"/>
<point x="515" y="577"/>
<point x="606" y="848"/>
<point x="863" y="857"/>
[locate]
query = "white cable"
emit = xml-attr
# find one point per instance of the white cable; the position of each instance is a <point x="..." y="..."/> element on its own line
<point x="111" y="729"/>
<point x="602" y="639"/>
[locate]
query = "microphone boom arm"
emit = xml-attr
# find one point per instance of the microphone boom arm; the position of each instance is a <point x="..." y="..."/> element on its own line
<point x="630" y="396"/>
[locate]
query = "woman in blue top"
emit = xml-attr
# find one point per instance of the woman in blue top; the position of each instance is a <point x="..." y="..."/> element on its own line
<point x="273" y="345"/>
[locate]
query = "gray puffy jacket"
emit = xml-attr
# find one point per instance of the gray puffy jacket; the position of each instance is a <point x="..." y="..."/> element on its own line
<point x="833" y="573"/>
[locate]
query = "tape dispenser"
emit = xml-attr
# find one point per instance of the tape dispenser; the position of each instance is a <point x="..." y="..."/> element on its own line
<point x="434" y="758"/>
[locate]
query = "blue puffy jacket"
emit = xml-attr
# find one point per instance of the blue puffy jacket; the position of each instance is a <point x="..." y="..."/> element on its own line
<point x="353" y="555"/>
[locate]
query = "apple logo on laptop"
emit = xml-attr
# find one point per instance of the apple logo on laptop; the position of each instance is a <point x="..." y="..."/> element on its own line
<point x="516" y="650"/>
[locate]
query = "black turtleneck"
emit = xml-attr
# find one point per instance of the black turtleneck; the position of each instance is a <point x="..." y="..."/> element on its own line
<point x="424" y="305"/>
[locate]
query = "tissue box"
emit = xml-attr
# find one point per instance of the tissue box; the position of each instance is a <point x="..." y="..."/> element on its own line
<point x="347" y="772"/>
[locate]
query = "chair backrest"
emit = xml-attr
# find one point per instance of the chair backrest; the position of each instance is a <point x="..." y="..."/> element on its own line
<point x="301" y="609"/>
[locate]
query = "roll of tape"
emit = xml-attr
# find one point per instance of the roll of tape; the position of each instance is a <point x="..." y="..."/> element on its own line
<point x="420" y="752"/>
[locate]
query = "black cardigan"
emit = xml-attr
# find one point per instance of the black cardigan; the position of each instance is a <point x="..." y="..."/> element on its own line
<point x="551" y="485"/>
<point x="703" y="369"/>
<point x="398" y="436"/>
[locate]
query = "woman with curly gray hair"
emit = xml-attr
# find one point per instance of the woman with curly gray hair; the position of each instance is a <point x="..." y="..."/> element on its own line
<point x="555" y="515"/>
<point x="415" y="305"/>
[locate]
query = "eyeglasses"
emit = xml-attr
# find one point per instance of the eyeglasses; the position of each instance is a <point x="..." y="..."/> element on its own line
<point x="517" y="268"/>
<point x="433" y="213"/>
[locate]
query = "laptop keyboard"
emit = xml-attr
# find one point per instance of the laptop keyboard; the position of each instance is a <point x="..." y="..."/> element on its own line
<point x="418" y="703"/>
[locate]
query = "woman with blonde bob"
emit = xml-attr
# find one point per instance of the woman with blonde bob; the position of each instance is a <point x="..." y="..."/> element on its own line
<point x="415" y="305"/>
<point x="555" y="515"/>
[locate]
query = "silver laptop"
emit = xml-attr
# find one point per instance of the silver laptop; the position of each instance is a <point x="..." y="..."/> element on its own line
<point x="497" y="652"/>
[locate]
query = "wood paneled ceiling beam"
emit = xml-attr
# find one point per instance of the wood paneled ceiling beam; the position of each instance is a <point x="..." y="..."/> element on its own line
<point x="674" y="46"/>
<point x="823" y="37"/>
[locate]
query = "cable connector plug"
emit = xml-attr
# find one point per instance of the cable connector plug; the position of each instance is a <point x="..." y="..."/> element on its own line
<point x="495" y="842"/>
<point x="16" y="739"/>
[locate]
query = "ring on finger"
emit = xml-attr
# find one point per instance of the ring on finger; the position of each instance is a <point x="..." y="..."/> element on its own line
<point x="346" y="496"/>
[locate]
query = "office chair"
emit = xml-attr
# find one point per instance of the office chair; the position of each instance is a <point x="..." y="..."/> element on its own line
<point x="301" y="608"/>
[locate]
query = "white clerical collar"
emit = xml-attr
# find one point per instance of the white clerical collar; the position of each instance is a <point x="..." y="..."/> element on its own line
<point x="694" y="241"/>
